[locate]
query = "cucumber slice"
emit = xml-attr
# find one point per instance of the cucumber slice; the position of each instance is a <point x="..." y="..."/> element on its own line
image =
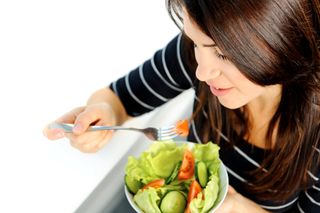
<point x="174" y="173"/>
<point x="132" y="184"/>
<point x="173" y="202"/>
<point x="202" y="173"/>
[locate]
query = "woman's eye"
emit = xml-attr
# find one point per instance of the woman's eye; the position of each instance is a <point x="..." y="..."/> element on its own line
<point x="216" y="52"/>
<point x="223" y="57"/>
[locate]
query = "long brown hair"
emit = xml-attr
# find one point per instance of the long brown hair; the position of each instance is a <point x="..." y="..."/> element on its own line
<point x="271" y="42"/>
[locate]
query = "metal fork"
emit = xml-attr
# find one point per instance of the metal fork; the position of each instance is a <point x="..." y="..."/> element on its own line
<point x="154" y="134"/>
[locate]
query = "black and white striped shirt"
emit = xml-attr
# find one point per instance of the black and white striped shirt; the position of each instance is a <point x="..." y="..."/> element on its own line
<point x="165" y="76"/>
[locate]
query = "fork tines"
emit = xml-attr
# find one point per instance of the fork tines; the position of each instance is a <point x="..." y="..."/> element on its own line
<point x="167" y="133"/>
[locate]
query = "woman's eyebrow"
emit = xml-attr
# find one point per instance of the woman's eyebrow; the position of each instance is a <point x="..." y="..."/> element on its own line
<point x="209" y="45"/>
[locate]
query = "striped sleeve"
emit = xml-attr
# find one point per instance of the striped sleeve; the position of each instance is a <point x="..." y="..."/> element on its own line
<point x="156" y="81"/>
<point x="309" y="200"/>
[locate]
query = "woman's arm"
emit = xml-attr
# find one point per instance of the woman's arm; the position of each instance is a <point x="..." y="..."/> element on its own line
<point x="156" y="81"/>
<point x="235" y="202"/>
<point x="106" y="95"/>
<point x="145" y="88"/>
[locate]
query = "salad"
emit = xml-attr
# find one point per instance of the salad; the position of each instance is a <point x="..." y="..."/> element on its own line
<point x="174" y="178"/>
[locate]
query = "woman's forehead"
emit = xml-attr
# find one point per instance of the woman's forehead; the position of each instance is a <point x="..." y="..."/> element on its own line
<point x="192" y="30"/>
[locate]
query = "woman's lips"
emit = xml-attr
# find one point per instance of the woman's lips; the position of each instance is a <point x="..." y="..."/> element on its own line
<point x="219" y="91"/>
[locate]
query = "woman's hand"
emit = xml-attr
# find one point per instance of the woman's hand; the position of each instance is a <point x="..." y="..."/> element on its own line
<point x="235" y="202"/>
<point x="82" y="118"/>
<point x="229" y="202"/>
<point x="103" y="108"/>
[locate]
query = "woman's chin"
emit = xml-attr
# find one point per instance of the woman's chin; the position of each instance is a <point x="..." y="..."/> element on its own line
<point x="231" y="104"/>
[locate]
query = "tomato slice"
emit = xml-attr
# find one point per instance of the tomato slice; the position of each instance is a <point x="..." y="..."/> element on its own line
<point x="182" y="127"/>
<point x="186" y="170"/>
<point x="155" y="184"/>
<point x="194" y="190"/>
<point x="187" y="210"/>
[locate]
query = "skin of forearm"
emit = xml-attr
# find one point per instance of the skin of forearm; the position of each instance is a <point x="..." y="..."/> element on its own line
<point x="248" y="206"/>
<point x="106" y="95"/>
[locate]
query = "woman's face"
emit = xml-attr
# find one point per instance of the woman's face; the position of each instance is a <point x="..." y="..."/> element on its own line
<point x="226" y="82"/>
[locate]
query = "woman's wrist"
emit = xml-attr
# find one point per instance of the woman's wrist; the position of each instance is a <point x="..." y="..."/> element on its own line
<point x="107" y="96"/>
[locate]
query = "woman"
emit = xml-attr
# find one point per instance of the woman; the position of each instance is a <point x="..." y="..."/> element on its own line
<point x="255" y="67"/>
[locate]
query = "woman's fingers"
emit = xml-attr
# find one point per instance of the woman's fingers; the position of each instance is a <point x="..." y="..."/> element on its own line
<point x="70" y="116"/>
<point x="90" y="141"/>
<point x="99" y="114"/>
<point x="53" y="134"/>
<point x="82" y="118"/>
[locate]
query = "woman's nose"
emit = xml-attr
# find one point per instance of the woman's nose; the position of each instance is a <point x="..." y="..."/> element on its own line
<point x="204" y="74"/>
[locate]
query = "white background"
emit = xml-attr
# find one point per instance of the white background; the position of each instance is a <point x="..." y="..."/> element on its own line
<point x="53" y="55"/>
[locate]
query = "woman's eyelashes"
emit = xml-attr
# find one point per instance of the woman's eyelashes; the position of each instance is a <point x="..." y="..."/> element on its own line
<point x="223" y="57"/>
<point x="216" y="52"/>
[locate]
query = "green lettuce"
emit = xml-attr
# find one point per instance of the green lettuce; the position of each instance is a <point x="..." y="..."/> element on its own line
<point x="148" y="200"/>
<point x="160" y="160"/>
<point x="209" y="154"/>
<point x="155" y="163"/>
<point x="198" y="205"/>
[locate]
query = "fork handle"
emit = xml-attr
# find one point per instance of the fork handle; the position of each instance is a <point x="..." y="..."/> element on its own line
<point x="69" y="127"/>
<point x="98" y="128"/>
